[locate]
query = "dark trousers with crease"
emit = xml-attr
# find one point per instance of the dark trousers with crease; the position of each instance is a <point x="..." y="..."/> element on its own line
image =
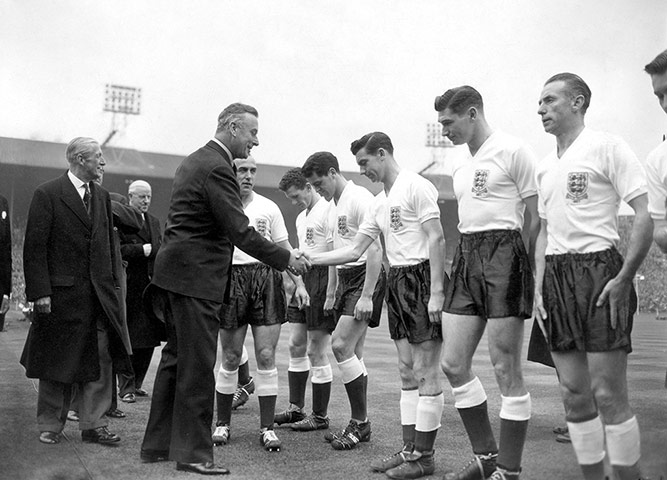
<point x="133" y="378"/>
<point x="183" y="394"/>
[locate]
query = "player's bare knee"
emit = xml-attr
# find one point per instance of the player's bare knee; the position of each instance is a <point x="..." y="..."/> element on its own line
<point x="579" y="405"/>
<point x="297" y="350"/>
<point x="266" y="358"/>
<point x="318" y="358"/>
<point x="614" y="407"/>
<point x="316" y="350"/>
<point x="456" y="371"/>
<point x="341" y="349"/>
<point x="231" y="359"/>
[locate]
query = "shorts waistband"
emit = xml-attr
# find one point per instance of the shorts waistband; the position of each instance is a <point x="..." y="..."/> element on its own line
<point x="487" y="234"/>
<point x="414" y="266"/>
<point x="351" y="271"/>
<point x="608" y="254"/>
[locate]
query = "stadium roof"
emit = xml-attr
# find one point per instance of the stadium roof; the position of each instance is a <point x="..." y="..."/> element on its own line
<point x="37" y="153"/>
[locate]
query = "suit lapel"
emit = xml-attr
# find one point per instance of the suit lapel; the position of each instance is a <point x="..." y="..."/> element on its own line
<point x="145" y="232"/>
<point x="96" y="209"/>
<point x="73" y="201"/>
<point x="221" y="151"/>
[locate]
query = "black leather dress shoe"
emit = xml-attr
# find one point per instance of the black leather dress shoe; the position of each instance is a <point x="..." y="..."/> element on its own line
<point x="140" y="392"/>
<point x="208" y="468"/>
<point x="100" y="435"/>
<point x="152" y="456"/>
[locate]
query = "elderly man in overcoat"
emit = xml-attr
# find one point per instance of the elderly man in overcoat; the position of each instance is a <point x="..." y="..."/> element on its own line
<point x="71" y="274"/>
<point x="139" y="250"/>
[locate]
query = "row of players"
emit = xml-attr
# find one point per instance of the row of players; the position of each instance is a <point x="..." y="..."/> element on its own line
<point x="567" y="274"/>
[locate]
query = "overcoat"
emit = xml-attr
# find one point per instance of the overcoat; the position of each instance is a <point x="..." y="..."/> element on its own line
<point x="70" y="256"/>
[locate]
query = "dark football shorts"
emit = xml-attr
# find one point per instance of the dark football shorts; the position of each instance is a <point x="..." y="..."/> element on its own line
<point x="350" y="286"/>
<point x="491" y="276"/>
<point x="256" y="297"/>
<point x="572" y="285"/>
<point x="408" y="293"/>
<point x="316" y="280"/>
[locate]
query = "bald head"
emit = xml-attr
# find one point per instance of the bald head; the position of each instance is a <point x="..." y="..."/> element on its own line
<point x="140" y="195"/>
<point x="246" y="169"/>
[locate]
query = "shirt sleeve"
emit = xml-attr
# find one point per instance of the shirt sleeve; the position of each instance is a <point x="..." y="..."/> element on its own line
<point x="522" y="170"/>
<point x="369" y="226"/>
<point x="656" y="179"/>
<point x="541" y="207"/>
<point x="625" y="171"/>
<point x="425" y="196"/>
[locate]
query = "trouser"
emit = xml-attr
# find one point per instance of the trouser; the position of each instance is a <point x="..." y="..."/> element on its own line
<point x="94" y="398"/>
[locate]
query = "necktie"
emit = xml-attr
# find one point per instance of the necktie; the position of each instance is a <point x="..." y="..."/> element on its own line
<point x="86" y="197"/>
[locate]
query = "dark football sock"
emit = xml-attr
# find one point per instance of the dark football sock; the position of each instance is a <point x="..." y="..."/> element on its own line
<point x="408" y="434"/>
<point x="224" y="408"/>
<point x="476" y="422"/>
<point x="424" y="441"/>
<point x="321" y="396"/>
<point x="267" y="410"/>
<point x="297" y="387"/>
<point x="244" y="373"/>
<point x="355" y="393"/>
<point x="512" y="439"/>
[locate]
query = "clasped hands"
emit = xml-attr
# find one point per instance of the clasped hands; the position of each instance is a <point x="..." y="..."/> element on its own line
<point x="299" y="262"/>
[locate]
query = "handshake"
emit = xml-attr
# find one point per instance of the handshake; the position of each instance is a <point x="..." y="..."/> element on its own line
<point x="299" y="262"/>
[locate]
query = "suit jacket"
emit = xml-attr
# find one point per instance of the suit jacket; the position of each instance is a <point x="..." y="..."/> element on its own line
<point x="205" y="221"/>
<point x="70" y="257"/>
<point x="145" y="331"/>
<point x="5" y="249"/>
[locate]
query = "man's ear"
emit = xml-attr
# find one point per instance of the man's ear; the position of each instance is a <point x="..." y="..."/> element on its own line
<point x="578" y="102"/>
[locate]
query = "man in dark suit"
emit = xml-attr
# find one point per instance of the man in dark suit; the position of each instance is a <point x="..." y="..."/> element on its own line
<point x="190" y="284"/>
<point x="5" y="260"/>
<point x="71" y="275"/>
<point x="139" y="250"/>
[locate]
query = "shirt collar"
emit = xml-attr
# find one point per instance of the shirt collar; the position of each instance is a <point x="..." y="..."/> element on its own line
<point x="224" y="148"/>
<point x="77" y="182"/>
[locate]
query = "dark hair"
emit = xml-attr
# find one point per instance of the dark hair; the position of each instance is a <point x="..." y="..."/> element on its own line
<point x="293" y="178"/>
<point x="372" y="142"/>
<point x="319" y="163"/>
<point x="575" y="87"/>
<point x="658" y="65"/>
<point x="234" y="112"/>
<point x="459" y="99"/>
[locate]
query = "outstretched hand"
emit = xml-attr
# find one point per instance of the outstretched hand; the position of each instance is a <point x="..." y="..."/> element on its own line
<point x="299" y="263"/>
